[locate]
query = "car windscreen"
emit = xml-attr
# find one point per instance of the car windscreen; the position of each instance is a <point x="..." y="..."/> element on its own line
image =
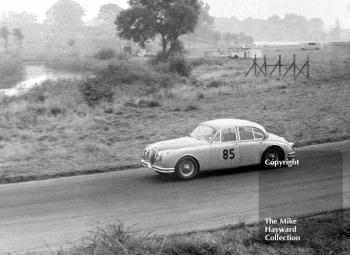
<point x="203" y="132"/>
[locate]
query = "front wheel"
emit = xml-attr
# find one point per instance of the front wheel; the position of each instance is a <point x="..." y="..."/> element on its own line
<point x="269" y="156"/>
<point x="187" y="168"/>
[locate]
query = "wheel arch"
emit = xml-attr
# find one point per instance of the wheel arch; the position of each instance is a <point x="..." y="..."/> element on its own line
<point x="189" y="156"/>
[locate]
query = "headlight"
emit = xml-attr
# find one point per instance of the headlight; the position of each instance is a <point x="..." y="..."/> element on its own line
<point x="158" y="157"/>
<point x="292" y="145"/>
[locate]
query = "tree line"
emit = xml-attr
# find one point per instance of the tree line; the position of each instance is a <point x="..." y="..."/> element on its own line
<point x="5" y="34"/>
<point x="291" y="27"/>
<point x="167" y="21"/>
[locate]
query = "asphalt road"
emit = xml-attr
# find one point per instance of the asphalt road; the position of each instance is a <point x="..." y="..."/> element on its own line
<point x="48" y="214"/>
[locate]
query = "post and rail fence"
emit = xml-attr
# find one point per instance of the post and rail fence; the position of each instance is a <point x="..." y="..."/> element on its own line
<point x="283" y="69"/>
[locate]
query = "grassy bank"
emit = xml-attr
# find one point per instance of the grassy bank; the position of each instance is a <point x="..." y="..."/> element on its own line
<point x="103" y="123"/>
<point x="323" y="234"/>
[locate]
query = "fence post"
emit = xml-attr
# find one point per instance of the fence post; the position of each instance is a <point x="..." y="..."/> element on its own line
<point x="308" y="67"/>
<point x="265" y="64"/>
<point x="279" y="65"/>
<point x="294" y="66"/>
<point x="255" y="65"/>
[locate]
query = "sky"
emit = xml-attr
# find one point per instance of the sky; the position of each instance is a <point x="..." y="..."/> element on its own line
<point x="328" y="10"/>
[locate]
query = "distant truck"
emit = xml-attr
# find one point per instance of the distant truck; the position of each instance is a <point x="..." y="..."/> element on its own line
<point x="311" y="46"/>
<point x="241" y="52"/>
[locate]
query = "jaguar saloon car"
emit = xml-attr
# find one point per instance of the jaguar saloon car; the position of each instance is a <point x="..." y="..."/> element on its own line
<point x="217" y="144"/>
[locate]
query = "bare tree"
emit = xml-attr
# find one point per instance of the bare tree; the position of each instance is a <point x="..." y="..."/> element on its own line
<point x="4" y="35"/>
<point x="18" y="34"/>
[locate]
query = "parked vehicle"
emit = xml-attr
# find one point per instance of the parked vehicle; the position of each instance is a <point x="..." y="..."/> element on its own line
<point x="311" y="46"/>
<point x="217" y="144"/>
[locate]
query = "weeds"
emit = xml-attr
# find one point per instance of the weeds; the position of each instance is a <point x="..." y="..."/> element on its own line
<point x="322" y="234"/>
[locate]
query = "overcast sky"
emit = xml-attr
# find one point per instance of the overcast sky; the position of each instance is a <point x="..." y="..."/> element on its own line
<point x="328" y="10"/>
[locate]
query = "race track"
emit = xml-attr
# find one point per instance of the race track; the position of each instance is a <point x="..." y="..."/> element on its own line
<point x="48" y="214"/>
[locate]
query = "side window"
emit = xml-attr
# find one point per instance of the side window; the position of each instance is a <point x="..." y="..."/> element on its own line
<point x="258" y="134"/>
<point x="246" y="133"/>
<point x="228" y="135"/>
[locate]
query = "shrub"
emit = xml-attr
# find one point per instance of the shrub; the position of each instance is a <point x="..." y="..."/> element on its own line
<point x="101" y="88"/>
<point x="179" y="65"/>
<point x="190" y="108"/>
<point x="143" y="103"/>
<point x="200" y="61"/>
<point x="94" y="91"/>
<point x="105" y="54"/>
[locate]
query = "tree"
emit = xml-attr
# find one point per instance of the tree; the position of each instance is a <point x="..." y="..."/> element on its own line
<point x="316" y="29"/>
<point x="216" y="35"/>
<point x="18" y="19"/>
<point x="108" y="13"/>
<point x="245" y="39"/>
<point x="18" y="34"/>
<point x="205" y="21"/>
<point x="65" y="12"/>
<point x="335" y="33"/>
<point x="145" y="19"/>
<point x="4" y="35"/>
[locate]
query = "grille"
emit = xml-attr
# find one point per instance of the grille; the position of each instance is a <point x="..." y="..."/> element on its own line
<point x="147" y="155"/>
<point x="152" y="156"/>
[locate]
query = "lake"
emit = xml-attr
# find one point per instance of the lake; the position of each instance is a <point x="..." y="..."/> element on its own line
<point x="36" y="73"/>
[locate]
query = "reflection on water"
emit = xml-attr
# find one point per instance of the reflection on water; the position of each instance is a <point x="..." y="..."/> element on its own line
<point x="35" y="74"/>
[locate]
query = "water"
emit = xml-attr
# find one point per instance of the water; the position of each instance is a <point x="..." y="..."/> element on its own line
<point x="34" y="75"/>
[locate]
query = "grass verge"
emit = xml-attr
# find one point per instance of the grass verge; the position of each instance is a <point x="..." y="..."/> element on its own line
<point x="52" y="131"/>
<point x="321" y="234"/>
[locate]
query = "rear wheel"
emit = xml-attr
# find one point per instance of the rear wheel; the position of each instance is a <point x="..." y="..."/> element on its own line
<point x="187" y="168"/>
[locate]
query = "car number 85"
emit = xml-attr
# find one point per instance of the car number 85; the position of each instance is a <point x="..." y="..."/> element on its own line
<point x="228" y="154"/>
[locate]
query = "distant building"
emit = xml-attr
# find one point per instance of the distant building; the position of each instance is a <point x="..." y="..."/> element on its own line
<point x="339" y="44"/>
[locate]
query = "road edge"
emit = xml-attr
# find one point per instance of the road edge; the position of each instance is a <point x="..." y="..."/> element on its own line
<point x="29" y="178"/>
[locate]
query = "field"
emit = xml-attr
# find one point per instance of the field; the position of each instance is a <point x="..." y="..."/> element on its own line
<point x="323" y="234"/>
<point x="53" y="131"/>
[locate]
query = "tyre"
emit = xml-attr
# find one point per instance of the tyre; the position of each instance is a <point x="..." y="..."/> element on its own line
<point x="187" y="168"/>
<point x="271" y="154"/>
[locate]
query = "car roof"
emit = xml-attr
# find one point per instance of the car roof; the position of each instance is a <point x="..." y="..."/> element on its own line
<point x="220" y="124"/>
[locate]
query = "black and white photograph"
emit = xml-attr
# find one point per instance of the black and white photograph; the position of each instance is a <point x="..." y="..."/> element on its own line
<point x="175" y="127"/>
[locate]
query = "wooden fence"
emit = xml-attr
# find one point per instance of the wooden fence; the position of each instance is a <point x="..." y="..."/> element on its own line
<point x="282" y="69"/>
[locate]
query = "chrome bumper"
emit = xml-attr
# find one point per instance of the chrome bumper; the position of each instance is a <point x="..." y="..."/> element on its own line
<point x="291" y="155"/>
<point x="158" y="169"/>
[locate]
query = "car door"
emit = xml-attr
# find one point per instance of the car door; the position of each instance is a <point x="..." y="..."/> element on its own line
<point x="225" y="151"/>
<point x="251" y="142"/>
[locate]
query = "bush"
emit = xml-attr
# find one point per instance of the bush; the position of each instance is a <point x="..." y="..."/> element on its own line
<point x="180" y="65"/>
<point x="105" y="54"/>
<point x="101" y="88"/>
<point x="94" y="91"/>
<point x="143" y="103"/>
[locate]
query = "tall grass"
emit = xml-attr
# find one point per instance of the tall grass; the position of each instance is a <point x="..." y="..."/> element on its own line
<point x="323" y="234"/>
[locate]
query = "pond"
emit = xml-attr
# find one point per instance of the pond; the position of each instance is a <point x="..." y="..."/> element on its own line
<point x="36" y="73"/>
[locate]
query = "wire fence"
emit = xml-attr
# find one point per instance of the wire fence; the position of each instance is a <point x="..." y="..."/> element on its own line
<point x="282" y="70"/>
